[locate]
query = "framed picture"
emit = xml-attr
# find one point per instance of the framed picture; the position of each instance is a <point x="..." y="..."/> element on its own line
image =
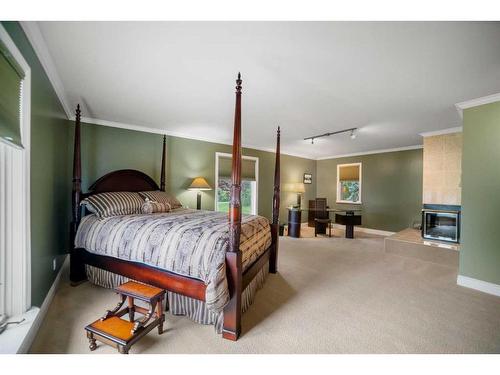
<point x="308" y="178"/>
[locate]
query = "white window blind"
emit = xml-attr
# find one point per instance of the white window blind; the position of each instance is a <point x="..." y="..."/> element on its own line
<point x="15" y="115"/>
<point x="11" y="78"/>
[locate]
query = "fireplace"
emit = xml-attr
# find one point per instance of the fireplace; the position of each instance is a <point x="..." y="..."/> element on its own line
<point x="441" y="222"/>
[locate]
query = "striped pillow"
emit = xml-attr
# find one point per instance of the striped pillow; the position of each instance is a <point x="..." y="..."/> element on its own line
<point x="113" y="204"/>
<point x="161" y="197"/>
<point x="150" y="207"/>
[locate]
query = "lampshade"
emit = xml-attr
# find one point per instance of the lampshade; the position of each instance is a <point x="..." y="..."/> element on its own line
<point x="199" y="183"/>
<point x="298" y="187"/>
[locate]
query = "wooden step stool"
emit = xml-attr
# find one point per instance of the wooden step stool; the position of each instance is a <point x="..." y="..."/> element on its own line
<point x="120" y="333"/>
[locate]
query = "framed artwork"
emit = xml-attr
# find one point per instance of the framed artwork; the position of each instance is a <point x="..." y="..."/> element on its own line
<point x="308" y="178"/>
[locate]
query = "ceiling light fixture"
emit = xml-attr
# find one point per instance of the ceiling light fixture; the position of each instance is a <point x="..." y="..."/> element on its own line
<point x="352" y="130"/>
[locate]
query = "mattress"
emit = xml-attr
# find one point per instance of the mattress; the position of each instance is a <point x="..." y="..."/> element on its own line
<point x="187" y="242"/>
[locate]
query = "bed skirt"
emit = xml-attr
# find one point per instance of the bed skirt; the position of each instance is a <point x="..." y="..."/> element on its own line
<point x="181" y="305"/>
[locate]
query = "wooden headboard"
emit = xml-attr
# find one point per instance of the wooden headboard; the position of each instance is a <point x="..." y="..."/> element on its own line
<point x="120" y="180"/>
<point x="123" y="180"/>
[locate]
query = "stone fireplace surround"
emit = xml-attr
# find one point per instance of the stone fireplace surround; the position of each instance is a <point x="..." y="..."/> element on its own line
<point x="442" y="169"/>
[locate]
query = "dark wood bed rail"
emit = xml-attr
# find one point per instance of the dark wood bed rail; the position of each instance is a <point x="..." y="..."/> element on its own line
<point x="131" y="180"/>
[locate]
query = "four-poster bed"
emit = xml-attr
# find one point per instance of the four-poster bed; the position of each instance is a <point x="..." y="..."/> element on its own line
<point x="238" y="278"/>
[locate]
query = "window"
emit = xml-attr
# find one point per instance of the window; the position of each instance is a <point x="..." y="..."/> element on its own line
<point x="249" y="183"/>
<point x="349" y="183"/>
<point x="15" y="97"/>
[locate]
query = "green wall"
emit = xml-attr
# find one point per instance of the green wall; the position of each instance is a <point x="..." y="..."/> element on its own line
<point x="480" y="249"/>
<point x="105" y="149"/>
<point x="390" y="203"/>
<point x="50" y="172"/>
<point x="391" y="190"/>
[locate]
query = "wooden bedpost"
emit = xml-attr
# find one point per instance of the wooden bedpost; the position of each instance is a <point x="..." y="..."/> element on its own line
<point x="77" y="268"/>
<point x="273" y="258"/>
<point x="162" y="178"/>
<point x="232" y="312"/>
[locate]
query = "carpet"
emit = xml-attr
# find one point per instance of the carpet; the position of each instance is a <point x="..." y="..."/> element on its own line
<point x="331" y="295"/>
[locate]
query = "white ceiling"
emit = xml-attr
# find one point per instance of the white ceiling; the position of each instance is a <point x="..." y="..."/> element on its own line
<point x="391" y="80"/>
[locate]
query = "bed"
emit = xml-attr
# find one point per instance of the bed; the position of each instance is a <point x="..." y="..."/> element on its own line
<point x="210" y="263"/>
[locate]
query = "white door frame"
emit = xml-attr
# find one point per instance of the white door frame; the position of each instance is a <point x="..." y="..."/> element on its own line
<point x="230" y="156"/>
<point x="15" y="225"/>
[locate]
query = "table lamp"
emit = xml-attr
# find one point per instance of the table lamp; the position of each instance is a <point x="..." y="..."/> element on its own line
<point x="198" y="184"/>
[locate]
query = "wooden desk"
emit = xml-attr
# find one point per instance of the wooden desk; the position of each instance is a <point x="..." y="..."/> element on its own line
<point x="294" y="221"/>
<point x="349" y="220"/>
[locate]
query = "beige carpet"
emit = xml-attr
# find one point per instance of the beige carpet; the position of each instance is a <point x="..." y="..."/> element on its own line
<point x="330" y="296"/>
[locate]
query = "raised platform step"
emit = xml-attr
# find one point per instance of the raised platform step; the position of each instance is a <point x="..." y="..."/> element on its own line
<point x="410" y="243"/>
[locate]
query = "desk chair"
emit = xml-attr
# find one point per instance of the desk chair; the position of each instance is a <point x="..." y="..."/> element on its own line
<point x="322" y="217"/>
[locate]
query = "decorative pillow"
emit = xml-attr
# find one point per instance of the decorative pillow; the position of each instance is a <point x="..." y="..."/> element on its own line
<point x="151" y="207"/>
<point x="161" y="197"/>
<point x="113" y="204"/>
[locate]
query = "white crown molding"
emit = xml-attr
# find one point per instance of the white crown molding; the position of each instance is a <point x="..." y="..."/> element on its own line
<point x="37" y="41"/>
<point x="456" y="129"/>
<point x="476" y="102"/>
<point x="142" y="128"/>
<point x="148" y="129"/>
<point x="382" y="151"/>
<point x="483" y="286"/>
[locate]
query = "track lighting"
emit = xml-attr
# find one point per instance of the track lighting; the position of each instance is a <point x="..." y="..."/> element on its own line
<point x="352" y="130"/>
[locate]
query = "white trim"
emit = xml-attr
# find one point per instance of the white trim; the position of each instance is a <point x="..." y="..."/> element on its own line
<point x="378" y="232"/>
<point x="338" y="200"/>
<point x="483" y="286"/>
<point x="476" y="102"/>
<point x="37" y="41"/>
<point x="17" y="231"/>
<point x="382" y="151"/>
<point x="20" y="338"/>
<point x="456" y="129"/>
<point x="149" y="129"/>
<point x="121" y="125"/>
<point x="216" y="177"/>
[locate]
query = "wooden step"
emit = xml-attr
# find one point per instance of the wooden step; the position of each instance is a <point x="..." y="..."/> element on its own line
<point x="113" y="328"/>
<point x="140" y="291"/>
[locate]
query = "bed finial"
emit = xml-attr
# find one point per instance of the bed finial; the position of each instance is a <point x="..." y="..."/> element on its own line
<point x="162" y="177"/>
<point x="238" y="83"/>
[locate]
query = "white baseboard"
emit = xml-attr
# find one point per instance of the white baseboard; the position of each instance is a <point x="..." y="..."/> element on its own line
<point x="360" y="229"/>
<point x="483" y="286"/>
<point x="40" y="317"/>
<point x="366" y="230"/>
